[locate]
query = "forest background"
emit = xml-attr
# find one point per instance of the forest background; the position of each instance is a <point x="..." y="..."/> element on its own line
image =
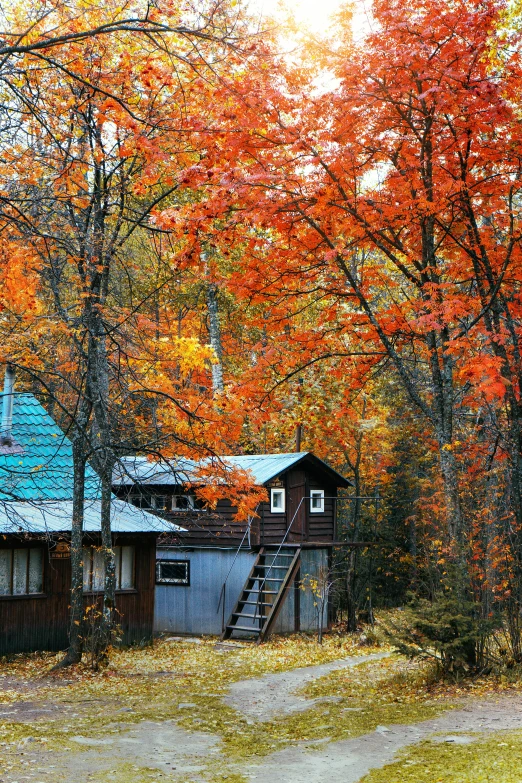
<point x="215" y="234"/>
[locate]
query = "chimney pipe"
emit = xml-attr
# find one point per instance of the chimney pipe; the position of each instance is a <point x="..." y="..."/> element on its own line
<point x="7" y="405"/>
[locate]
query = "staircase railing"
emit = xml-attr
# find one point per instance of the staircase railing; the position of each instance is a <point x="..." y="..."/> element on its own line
<point x="281" y="545"/>
<point x="223" y="593"/>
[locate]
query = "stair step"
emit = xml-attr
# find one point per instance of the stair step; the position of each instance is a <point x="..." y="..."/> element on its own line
<point x="244" y="628"/>
<point x="272" y="567"/>
<point x="265" y="592"/>
<point x="257" y="603"/>
<point x="249" y="616"/>
<point x="265" y="579"/>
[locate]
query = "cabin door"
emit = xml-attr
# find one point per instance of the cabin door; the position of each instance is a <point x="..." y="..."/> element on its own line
<point x="297" y="505"/>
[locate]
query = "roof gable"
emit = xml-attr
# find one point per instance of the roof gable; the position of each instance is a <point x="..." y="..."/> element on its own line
<point x="264" y="467"/>
<point x="41" y="468"/>
<point x="37" y="476"/>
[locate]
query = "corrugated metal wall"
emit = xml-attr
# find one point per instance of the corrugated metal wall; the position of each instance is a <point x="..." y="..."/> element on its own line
<point x="194" y="609"/>
<point x="314" y="563"/>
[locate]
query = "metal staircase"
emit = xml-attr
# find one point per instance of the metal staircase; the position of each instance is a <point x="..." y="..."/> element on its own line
<point x="264" y="593"/>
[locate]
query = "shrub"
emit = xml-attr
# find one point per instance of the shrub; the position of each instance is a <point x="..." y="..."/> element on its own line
<point x="448" y="629"/>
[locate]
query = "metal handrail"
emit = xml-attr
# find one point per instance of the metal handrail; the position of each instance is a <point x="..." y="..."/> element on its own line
<point x="281" y="545"/>
<point x="223" y="593"/>
<point x="262" y="583"/>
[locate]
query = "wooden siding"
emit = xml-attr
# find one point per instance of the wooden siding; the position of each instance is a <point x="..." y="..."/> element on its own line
<point x="29" y="623"/>
<point x="218" y="527"/>
<point x="322" y="527"/>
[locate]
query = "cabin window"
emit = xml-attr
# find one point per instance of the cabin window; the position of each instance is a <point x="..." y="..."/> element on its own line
<point x="317" y="501"/>
<point x="21" y="571"/>
<point x="173" y="572"/>
<point x="141" y="499"/>
<point x="148" y="501"/>
<point x="160" y="502"/>
<point x="277" y="501"/>
<point x="183" y="503"/>
<point x="94" y="568"/>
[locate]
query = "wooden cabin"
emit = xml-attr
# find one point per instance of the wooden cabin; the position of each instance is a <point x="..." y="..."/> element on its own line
<point x="36" y="479"/>
<point x="234" y="578"/>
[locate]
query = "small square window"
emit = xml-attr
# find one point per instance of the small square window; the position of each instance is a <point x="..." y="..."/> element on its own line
<point x="277" y="501"/>
<point x="173" y="572"/>
<point x="317" y="501"/>
<point x="183" y="503"/>
<point x="161" y="502"/>
<point x="141" y="499"/>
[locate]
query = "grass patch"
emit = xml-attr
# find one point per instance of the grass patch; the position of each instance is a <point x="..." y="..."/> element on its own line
<point x="495" y="760"/>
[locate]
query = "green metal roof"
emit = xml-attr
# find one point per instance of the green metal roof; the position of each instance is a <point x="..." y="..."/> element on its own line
<point x="36" y="481"/>
<point x="42" y="469"/>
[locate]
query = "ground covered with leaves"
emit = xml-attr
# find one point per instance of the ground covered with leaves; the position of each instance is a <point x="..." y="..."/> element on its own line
<point x="96" y="725"/>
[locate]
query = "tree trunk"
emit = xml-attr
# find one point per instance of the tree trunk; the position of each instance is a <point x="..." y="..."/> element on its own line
<point x="351" y="601"/>
<point x="76" y="621"/>
<point x="214" y="329"/>
<point x="105" y="459"/>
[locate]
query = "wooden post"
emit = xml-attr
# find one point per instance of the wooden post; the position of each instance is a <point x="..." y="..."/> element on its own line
<point x="297" y="601"/>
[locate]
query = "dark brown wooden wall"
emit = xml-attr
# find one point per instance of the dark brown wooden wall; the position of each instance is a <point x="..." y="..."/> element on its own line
<point x="29" y="623"/>
<point x="321" y="527"/>
<point x="218" y="528"/>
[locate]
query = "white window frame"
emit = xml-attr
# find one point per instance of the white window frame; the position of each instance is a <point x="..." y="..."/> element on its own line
<point x="157" y="505"/>
<point x="276" y="509"/>
<point x="314" y="494"/>
<point x="162" y="580"/>
<point x="92" y="556"/>
<point x="191" y="505"/>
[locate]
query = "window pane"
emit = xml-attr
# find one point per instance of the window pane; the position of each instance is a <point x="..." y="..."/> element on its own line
<point x="98" y="570"/>
<point x="117" y="565"/>
<point x="127" y="567"/>
<point x="172" y="572"/>
<point x="87" y="562"/>
<point x="278" y="500"/>
<point x="182" y="502"/>
<point x="35" y="571"/>
<point x="5" y="571"/>
<point x="317" y="500"/>
<point x="20" y="571"/>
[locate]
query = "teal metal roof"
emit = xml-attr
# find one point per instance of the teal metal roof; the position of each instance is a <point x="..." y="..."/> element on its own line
<point x="264" y="466"/>
<point x="44" y="468"/>
<point x="36" y="480"/>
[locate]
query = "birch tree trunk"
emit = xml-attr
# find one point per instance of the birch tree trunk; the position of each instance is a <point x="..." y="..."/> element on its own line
<point x="214" y="329"/>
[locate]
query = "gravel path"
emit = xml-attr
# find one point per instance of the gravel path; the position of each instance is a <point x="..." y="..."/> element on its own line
<point x="273" y="694"/>
<point x="349" y="760"/>
<point x="172" y="753"/>
<point x="162" y="747"/>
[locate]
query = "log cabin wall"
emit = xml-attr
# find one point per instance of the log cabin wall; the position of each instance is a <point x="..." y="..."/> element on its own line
<point x="322" y="526"/>
<point x="41" y="622"/>
<point x="36" y="622"/>
<point x="218" y="527"/>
